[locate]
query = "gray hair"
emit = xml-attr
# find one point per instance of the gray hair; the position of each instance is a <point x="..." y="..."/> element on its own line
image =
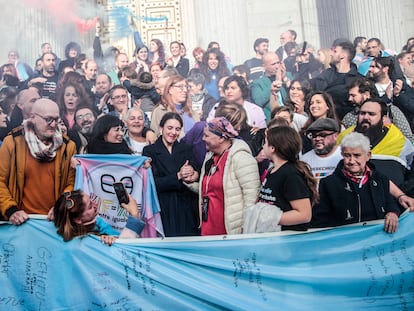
<point x="133" y="108"/>
<point x="356" y="140"/>
<point x="196" y="78"/>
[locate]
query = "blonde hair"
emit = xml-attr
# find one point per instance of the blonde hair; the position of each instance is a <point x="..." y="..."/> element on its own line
<point x="327" y="53"/>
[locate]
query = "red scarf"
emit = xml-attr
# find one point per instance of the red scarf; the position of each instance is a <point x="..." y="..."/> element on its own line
<point x="360" y="180"/>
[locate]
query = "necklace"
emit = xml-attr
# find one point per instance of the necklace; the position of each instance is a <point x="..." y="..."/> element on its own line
<point x="213" y="168"/>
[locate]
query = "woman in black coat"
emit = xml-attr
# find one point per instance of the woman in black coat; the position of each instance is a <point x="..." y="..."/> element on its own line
<point x="355" y="192"/>
<point x="174" y="166"/>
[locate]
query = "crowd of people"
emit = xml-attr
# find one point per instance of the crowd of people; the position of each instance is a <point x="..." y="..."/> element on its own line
<point x="323" y="137"/>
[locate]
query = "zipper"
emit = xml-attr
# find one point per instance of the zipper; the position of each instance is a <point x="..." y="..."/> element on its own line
<point x="359" y="208"/>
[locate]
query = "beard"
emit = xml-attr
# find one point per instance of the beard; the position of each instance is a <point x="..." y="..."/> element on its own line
<point x="373" y="132"/>
<point x="86" y="128"/>
<point x="325" y="150"/>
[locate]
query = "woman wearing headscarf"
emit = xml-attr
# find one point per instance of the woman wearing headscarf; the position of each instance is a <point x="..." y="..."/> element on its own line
<point x="229" y="179"/>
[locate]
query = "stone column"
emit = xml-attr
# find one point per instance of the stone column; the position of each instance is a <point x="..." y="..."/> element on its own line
<point x="382" y="19"/>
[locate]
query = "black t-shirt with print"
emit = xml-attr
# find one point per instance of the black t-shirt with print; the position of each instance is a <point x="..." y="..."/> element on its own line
<point x="284" y="185"/>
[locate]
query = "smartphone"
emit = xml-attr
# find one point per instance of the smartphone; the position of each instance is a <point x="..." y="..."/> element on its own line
<point x="121" y="193"/>
<point x="304" y="46"/>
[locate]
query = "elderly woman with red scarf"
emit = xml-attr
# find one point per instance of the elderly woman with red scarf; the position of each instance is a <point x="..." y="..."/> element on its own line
<point x="356" y="191"/>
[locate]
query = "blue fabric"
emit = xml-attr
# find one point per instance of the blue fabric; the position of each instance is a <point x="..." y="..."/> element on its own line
<point x="212" y="87"/>
<point x="135" y="224"/>
<point x="104" y="228"/>
<point x="348" y="268"/>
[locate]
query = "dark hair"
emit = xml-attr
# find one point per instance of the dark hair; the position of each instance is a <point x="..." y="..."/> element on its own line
<point x="386" y="62"/>
<point x="116" y="87"/>
<point x="139" y="48"/>
<point x="242" y="69"/>
<point x="293" y="33"/>
<point x="241" y="83"/>
<point x="11" y="68"/>
<point x="128" y="72"/>
<point x="331" y="109"/>
<point x="47" y="53"/>
<point x="103" y="125"/>
<point x="161" y="52"/>
<point x="83" y="106"/>
<point x="259" y="41"/>
<point x="222" y="69"/>
<point x="196" y="78"/>
<point x="379" y="101"/>
<point x="64" y="216"/>
<point x="79" y="93"/>
<point x="289" y="46"/>
<point x="378" y="41"/>
<point x="306" y="89"/>
<point x="276" y="122"/>
<point x="211" y="43"/>
<point x="364" y="85"/>
<point x="79" y="59"/>
<point x="72" y="45"/>
<point x="279" y="109"/>
<point x="349" y="47"/>
<point x="358" y="40"/>
<point x="288" y="144"/>
<point x="169" y="116"/>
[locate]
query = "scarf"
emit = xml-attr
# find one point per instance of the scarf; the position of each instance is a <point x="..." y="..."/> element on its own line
<point x="198" y="97"/>
<point x="360" y="180"/>
<point x="39" y="150"/>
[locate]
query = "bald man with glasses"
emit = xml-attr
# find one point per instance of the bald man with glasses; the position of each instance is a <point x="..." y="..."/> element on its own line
<point x="35" y="165"/>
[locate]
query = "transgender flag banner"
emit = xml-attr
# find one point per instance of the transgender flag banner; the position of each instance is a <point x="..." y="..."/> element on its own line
<point x="97" y="173"/>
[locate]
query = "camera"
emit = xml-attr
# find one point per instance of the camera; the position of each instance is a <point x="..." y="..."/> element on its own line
<point x="204" y="210"/>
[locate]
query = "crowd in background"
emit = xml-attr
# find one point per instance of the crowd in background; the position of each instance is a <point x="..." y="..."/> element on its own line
<point x="222" y="137"/>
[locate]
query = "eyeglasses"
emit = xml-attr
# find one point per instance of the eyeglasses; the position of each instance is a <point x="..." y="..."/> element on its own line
<point x="69" y="203"/>
<point x="48" y="120"/>
<point x="315" y="135"/>
<point x="84" y="116"/>
<point x="120" y="96"/>
<point x="181" y="87"/>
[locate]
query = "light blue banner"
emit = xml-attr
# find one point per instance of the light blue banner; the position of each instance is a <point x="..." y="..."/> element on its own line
<point x="349" y="268"/>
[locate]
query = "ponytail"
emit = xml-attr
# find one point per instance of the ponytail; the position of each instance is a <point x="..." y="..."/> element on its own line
<point x="311" y="182"/>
